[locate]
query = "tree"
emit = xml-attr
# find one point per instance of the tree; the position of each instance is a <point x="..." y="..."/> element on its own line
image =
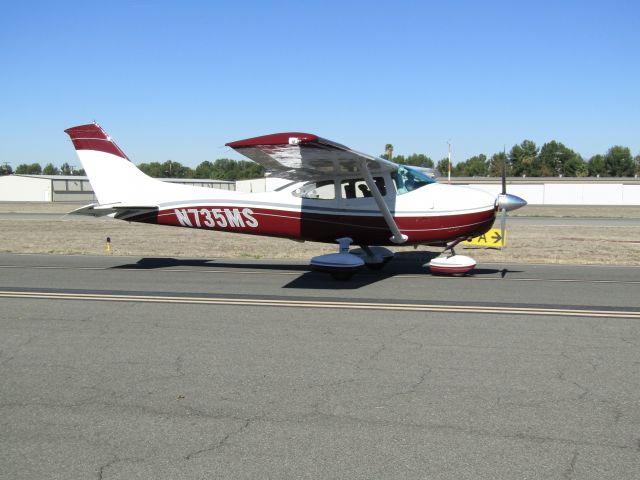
<point x="66" y="169"/>
<point x="416" y="159"/>
<point x="557" y="160"/>
<point x="5" y="169"/>
<point x="168" y="169"/>
<point x="30" y="169"/>
<point x="476" y="166"/>
<point x="596" y="166"/>
<point x="388" y="151"/>
<point x="153" y="169"/>
<point x="443" y="167"/>
<point x="637" y="162"/>
<point x="204" y="170"/>
<point x="618" y="162"/>
<point x="524" y="159"/>
<point x="50" y="169"/>
<point x="227" y="169"/>
<point x="173" y="169"/>
<point x="496" y="162"/>
<point x="582" y="170"/>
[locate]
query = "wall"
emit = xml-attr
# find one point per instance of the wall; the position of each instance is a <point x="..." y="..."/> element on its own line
<point x="14" y="188"/>
<point x="569" y="193"/>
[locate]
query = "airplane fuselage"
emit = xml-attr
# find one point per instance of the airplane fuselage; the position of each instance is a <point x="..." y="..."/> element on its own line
<point x="432" y="214"/>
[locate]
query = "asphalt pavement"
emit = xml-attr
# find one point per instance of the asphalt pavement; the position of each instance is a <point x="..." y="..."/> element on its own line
<point x="120" y="367"/>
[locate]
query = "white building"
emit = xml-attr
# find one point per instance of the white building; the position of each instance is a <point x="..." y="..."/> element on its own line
<point x="68" y="188"/>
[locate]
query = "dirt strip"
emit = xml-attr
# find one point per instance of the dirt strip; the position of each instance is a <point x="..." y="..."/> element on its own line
<point x="525" y="243"/>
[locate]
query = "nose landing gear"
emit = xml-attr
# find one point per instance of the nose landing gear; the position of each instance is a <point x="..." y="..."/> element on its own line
<point x="452" y="264"/>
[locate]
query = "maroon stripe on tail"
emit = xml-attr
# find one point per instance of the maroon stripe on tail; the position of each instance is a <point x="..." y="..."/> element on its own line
<point x="93" y="137"/>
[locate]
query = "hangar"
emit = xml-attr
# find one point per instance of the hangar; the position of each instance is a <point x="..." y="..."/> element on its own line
<point x="71" y="188"/>
<point x="537" y="191"/>
<point x="44" y="188"/>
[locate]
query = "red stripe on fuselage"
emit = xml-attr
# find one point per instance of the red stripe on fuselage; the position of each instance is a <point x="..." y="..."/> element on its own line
<point x="320" y="227"/>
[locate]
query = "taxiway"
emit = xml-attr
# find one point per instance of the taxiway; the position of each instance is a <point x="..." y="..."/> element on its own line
<point x="120" y="367"/>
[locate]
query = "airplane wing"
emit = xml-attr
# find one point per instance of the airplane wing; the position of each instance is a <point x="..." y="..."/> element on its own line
<point x="303" y="156"/>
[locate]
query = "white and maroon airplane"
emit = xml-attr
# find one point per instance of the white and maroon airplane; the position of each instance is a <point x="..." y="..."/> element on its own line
<point x="336" y="194"/>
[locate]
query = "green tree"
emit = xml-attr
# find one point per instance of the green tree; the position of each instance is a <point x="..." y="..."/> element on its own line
<point x="388" y="151"/>
<point x="637" y="162"/>
<point x="416" y="160"/>
<point x="443" y="167"/>
<point x="495" y="165"/>
<point x="29" y="169"/>
<point x="50" y="169"/>
<point x="582" y="170"/>
<point x="476" y="166"/>
<point x="524" y="159"/>
<point x="5" y="169"/>
<point x="153" y="169"/>
<point x="227" y="169"/>
<point x="66" y="169"/>
<point x="555" y="159"/>
<point x="596" y="166"/>
<point x="618" y="162"/>
<point x="204" y="170"/>
<point x="171" y="169"/>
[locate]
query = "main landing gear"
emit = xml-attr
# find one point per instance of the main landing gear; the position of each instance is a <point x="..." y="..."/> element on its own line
<point x="344" y="264"/>
<point x="452" y="264"/>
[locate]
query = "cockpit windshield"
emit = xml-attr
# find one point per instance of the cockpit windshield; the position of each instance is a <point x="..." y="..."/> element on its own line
<point x="408" y="179"/>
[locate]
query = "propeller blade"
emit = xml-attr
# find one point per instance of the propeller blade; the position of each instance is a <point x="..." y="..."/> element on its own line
<point x="504" y="172"/>
<point x="503" y="225"/>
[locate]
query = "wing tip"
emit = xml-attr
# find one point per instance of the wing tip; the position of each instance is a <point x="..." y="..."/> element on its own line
<point x="284" y="138"/>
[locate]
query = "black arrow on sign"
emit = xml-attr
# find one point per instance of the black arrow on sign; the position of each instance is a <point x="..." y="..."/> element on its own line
<point x="496" y="237"/>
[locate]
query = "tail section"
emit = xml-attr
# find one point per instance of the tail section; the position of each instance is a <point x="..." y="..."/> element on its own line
<point x="114" y="178"/>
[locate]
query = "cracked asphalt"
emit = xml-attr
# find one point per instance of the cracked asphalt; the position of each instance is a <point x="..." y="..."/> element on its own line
<point x="117" y="390"/>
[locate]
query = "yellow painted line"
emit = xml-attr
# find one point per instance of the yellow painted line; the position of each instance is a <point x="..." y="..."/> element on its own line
<point x="324" y="304"/>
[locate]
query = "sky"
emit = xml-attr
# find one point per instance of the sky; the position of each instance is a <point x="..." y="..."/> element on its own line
<point x="178" y="80"/>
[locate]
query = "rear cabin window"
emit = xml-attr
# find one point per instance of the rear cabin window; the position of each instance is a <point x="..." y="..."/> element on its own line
<point x="323" y="190"/>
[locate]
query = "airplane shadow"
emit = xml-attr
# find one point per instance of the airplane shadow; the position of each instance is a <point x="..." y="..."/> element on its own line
<point x="404" y="263"/>
<point x="151" y="263"/>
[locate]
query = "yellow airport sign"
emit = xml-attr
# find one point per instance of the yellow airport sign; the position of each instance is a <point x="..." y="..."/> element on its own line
<point x="493" y="238"/>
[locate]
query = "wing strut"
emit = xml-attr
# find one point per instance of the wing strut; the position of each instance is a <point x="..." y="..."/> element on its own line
<point x="397" y="237"/>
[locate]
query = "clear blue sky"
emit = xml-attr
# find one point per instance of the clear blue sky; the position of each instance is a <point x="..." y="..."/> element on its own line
<point x="177" y="80"/>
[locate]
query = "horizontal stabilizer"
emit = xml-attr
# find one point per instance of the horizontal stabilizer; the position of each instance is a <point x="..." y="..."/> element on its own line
<point x="117" y="210"/>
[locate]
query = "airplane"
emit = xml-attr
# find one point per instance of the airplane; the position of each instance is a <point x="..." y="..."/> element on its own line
<point x="331" y="193"/>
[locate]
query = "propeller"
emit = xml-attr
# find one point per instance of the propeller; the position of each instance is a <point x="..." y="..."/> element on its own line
<point x="505" y="201"/>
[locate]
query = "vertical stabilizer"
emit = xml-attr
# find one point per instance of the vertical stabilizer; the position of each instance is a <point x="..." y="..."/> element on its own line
<point x="114" y="178"/>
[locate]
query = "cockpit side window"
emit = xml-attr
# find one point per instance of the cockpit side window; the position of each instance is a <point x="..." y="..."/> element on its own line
<point x="322" y="190"/>
<point x="357" y="188"/>
<point x="408" y="179"/>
